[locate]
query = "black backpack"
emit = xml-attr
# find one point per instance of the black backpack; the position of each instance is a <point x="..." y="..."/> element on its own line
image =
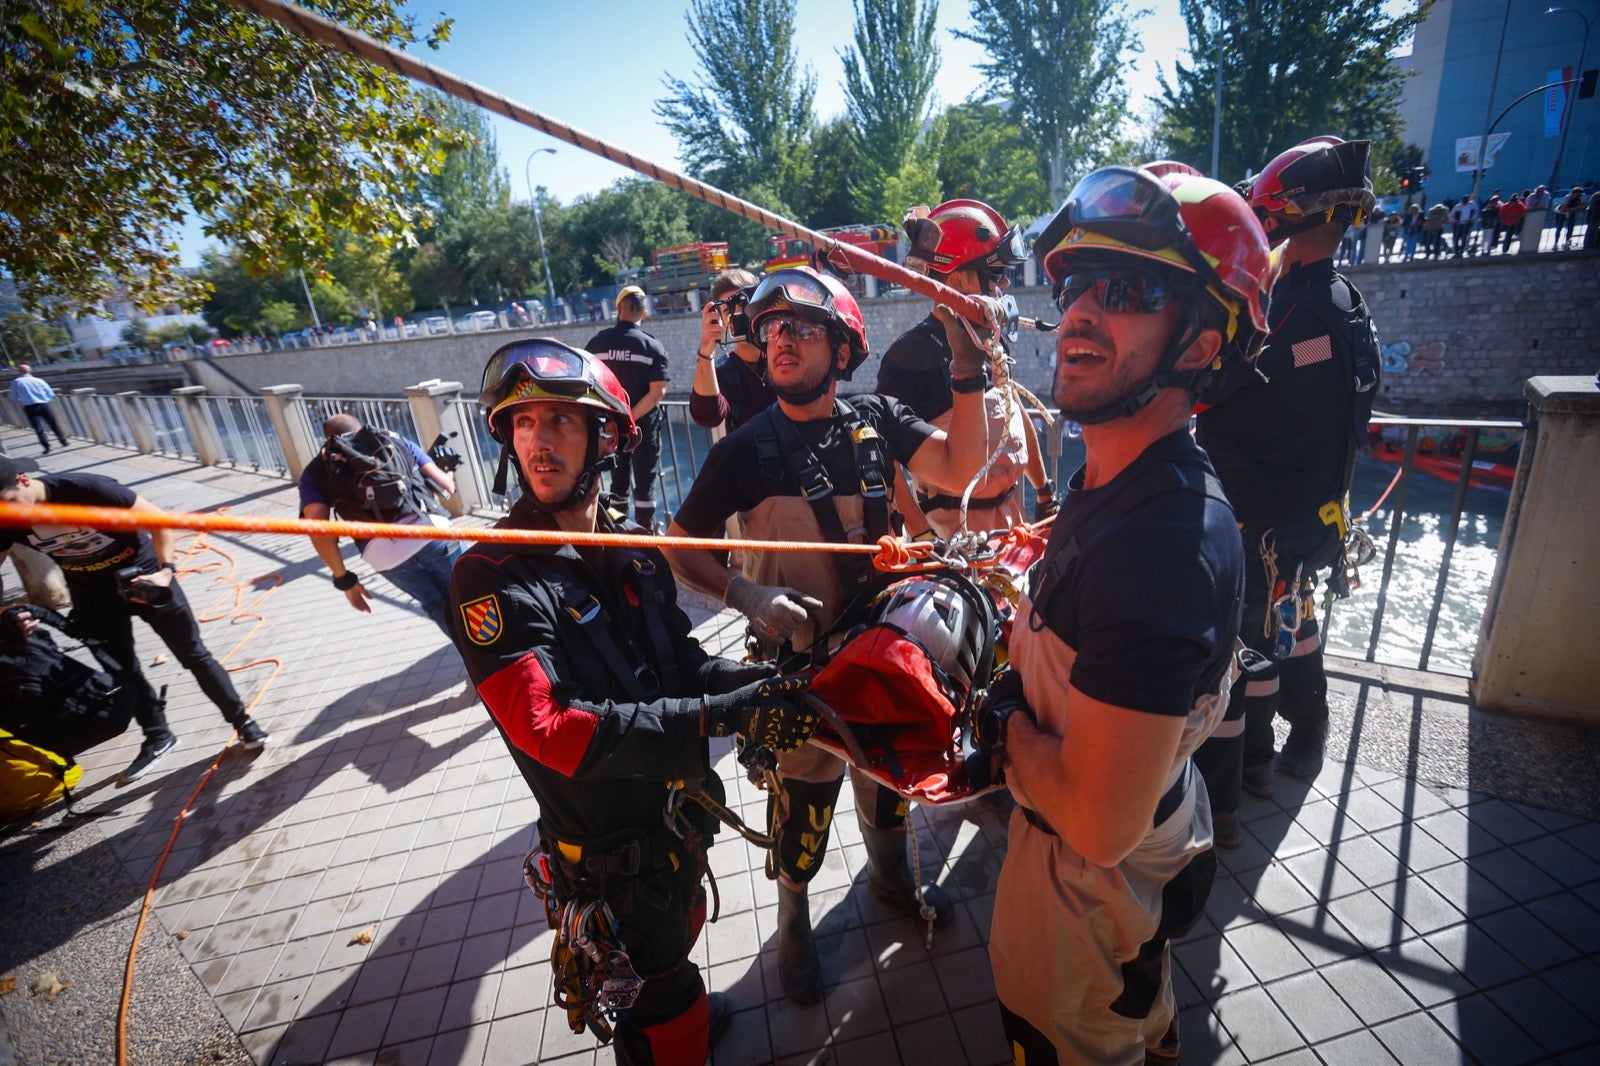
<point x="371" y="475"/>
<point x="54" y="700"/>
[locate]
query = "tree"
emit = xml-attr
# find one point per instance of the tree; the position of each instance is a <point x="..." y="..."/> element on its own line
<point x="619" y="227"/>
<point x="24" y="338"/>
<point x="237" y="296"/>
<point x="888" y="82"/>
<point x="1291" y="69"/>
<point x="747" y="120"/>
<point x="985" y="156"/>
<point x="1060" y="64"/>
<point x="833" y="153"/>
<point x="122" y="119"/>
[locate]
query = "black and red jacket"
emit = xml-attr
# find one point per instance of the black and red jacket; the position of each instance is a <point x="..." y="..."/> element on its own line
<point x="598" y="750"/>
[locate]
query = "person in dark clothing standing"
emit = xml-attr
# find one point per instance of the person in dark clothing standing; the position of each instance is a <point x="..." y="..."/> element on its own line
<point x="640" y="362"/>
<point x="1284" y="442"/>
<point x="968" y="245"/>
<point x="585" y="662"/>
<point x="733" y="389"/>
<point x="114" y="575"/>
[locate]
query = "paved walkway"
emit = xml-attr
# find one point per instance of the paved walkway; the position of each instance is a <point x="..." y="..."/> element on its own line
<point x="353" y="893"/>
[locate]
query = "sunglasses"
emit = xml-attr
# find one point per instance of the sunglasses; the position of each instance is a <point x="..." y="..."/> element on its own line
<point x="1126" y="290"/>
<point x="798" y="328"/>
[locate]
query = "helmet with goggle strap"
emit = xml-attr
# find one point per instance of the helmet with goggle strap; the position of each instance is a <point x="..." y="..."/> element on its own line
<point x="805" y="293"/>
<point x="544" y="370"/>
<point x="1316" y="182"/>
<point x="1198" y="233"/>
<point x="973" y="234"/>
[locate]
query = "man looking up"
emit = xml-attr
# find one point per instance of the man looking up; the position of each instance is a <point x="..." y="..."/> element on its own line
<point x="814" y="467"/>
<point x="970" y="249"/>
<point x="584" y="660"/>
<point x="1123" y="650"/>
<point x="639" y="361"/>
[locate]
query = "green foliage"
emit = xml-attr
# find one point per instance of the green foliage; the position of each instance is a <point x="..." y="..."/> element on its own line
<point x="619" y="227"/>
<point x="888" y="79"/>
<point x="471" y="179"/>
<point x="237" y="295"/>
<point x="748" y="117"/>
<point x="1060" y="63"/>
<point x="1292" y="69"/>
<point x="25" y="338"/>
<point x="136" y="333"/>
<point x="985" y="156"/>
<point x="178" y="333"/>
<point x="368" y="271"/>
<point x="833" y="151"/>
<point x="121" y="120"/>
<point x="278" y="317"/>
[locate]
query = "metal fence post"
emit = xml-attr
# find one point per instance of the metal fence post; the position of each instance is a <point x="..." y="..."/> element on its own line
<point x="144" y="436"/>
<point x="202" y="434"/>
<point x="291" y="421"/>
<point x="434" y="414"/>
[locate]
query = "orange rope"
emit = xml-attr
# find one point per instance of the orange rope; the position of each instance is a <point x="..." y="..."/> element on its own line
<point x="20" y="515"/>
<point x="239" y="610"/>
<point x="1392" y="483"/>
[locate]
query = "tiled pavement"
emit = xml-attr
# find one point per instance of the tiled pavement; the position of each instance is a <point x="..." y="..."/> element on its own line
<point x="1368" y="917"/>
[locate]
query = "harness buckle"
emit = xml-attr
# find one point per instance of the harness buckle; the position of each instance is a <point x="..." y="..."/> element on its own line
<point x="817" y="487"/>
<point x="644" y="566"/>
<point x="584" y="613"/>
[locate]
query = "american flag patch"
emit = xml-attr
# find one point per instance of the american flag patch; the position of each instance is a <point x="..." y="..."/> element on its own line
<point x="1316" y="350"/>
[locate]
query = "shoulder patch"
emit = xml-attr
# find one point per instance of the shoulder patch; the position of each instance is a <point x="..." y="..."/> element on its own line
<point x="482" y="620"/>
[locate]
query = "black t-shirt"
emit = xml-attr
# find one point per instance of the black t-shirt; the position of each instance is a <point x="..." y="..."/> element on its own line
<point x="916" y="369"/>
<point x="1151" y="603"/>
<point x="86" y="554"/>
<point x="637" y="358"/>
<point x="1280" y="445"/>
<point x="731" y="480"/>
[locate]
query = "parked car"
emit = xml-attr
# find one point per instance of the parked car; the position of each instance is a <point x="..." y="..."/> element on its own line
<point x="436" y="324"/>
<point x="473" y="321"/>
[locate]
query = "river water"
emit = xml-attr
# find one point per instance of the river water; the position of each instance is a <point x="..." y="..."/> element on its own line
<point x="1418" y="556"/>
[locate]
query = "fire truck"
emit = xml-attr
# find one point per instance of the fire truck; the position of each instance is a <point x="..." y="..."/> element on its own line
<point x="785" y="251"/>
<point x="673" y="273"/>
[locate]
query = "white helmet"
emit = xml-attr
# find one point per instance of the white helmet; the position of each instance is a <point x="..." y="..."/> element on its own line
<point x="933" y="612"/>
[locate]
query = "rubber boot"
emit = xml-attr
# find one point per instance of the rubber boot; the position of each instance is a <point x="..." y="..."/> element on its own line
<point x="799" y="968"/>
<point x="889" y="876"/>
<point x="1261" y="701"/>
<point x="1303" y="702"/>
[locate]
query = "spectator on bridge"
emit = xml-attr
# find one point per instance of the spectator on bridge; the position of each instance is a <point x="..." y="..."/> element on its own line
<point x="1591" y="231"/>
<point x="33" y="395"/>
<point x="1512" y="214"/>
<point x="1433" y="231"/>
<point x="1567" y="212"/>
<point x="1411" y="231"/>
<point x="640" y="363"/>
<point x="1462" y="218"/>
<point x="1489" y="222"/>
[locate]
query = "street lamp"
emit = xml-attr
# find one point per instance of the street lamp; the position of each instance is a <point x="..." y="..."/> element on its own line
<point x="1566" y="119"/>
<point x="549" y="284"/>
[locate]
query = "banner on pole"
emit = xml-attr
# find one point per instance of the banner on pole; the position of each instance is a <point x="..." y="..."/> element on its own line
<point x="1467" y="152"/>
<point x="1556" y="99"/>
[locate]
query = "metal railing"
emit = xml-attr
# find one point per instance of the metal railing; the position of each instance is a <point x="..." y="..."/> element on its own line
<point x="168" y="433"/>
<point x="374" y="411"/>
<point x="245" y="432"/>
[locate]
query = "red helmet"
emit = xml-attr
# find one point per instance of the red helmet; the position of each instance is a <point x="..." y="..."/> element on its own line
<point x="1179" y="220"/>
<point x="544" y="370"/>
<point x="1320" y="180"/>
<point x="809" y="294"/>
<point x="971" y="233"/>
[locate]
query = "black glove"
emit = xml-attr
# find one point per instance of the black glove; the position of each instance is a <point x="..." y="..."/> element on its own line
<point x="1045" y="503"/>
<point x="768" y="713"/>
<point x="445" y="457"/>
<point x="989" y="720"/>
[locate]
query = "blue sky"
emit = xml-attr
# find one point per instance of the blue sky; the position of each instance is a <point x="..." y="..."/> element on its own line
<point x="600" y="67"/>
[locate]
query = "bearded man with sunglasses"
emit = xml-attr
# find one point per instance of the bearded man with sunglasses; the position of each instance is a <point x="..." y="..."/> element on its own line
<point x="1124" y="646"/>
<point x="814" y="467"/>
<point x="1284" y="440"/>
<point x="968" y="246"/>
<point x="586" y="664"/>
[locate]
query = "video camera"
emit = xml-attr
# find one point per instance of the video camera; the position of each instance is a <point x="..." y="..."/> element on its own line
<point x="444" y="456"/>
<point x="738" y="322"/>
<point x="146" y="592"/>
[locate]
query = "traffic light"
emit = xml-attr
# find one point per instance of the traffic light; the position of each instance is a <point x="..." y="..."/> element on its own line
<point x="1405" y="184"/>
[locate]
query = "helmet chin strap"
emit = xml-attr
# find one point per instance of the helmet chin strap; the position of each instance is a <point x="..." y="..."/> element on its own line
<point x="1164" y="377"/>
<point x="801" y="399"/>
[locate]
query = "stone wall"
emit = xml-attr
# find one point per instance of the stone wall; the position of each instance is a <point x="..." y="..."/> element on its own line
<point x="1460" y="337"/>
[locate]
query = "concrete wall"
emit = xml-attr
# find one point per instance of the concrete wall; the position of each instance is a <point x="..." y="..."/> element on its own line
<point x="1460" y="337"/>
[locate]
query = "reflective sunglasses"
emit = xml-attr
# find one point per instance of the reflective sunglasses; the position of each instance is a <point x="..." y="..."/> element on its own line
<point x="1124" y="290"/>
<point x="798" y="328"/>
